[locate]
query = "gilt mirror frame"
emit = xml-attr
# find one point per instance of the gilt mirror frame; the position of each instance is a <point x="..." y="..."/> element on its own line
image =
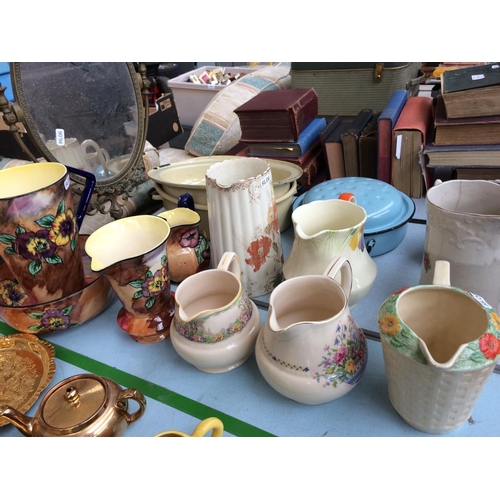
<point x="110" y="195"/>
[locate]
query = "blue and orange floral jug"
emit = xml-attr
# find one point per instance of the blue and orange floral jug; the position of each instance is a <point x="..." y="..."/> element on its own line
<point x="329" y="228"/>
<point x="242" y="216"/>
<point x="310" y="349"/>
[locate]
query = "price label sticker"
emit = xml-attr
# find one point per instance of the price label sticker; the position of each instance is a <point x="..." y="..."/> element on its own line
<point x="60" y="137"/>
<point x="477" y="77"/>
<point x="399" y="145"/>
<point x="265" y="180"/>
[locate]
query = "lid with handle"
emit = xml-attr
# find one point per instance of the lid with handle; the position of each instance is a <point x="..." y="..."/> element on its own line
<point x="386" y="207"/>
<point x="75" y="403"/>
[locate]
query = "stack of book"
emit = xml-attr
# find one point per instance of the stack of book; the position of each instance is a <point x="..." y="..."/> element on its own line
<point x="350" y="145"/>
<point x="466" y="131"/>
<point x="284" y="125"/>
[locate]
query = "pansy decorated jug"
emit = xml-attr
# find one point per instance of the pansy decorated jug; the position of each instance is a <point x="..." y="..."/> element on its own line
<point x="188" y="247"/>
<point x="39" y="239"/>
<point x="310" y="349"/>
<point x="132" y="254"/>
<point x="440" y="344"/>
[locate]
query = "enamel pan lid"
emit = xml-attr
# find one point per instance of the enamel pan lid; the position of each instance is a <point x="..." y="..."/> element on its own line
<point x="386" y="207"/>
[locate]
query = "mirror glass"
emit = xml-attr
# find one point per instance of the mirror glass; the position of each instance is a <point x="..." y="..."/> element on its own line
<point x="85" y="115"/>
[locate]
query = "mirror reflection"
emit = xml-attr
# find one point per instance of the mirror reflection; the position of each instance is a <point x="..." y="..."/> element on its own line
<point x="85" y="114"/>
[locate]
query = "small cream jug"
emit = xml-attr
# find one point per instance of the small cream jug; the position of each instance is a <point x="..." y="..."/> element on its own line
<point x="310" y="349"/>
<point x="328" y="228"/>
<point x="215" y="323"/>
<point x="440" y="345"/>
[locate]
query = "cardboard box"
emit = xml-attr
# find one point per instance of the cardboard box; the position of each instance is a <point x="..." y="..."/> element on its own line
<point x="192" y="98"/>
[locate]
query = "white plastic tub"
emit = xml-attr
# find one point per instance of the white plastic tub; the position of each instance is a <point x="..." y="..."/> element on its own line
<point x="192" y="98"/>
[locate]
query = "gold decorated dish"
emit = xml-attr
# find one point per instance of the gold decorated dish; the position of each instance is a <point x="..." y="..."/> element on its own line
<point x="26" y="368"/>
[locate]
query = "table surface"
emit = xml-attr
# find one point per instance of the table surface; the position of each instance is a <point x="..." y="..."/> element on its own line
<point x="179" y="396"/>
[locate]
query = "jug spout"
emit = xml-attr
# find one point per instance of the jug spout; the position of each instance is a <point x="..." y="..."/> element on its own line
<point x="443" y="365"/>
<point x="21" y="421"/>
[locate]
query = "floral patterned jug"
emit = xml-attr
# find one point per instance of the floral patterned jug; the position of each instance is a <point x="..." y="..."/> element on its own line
<point x="440" y="345"/>
<point x="188" y="247"/>
<point x="325" y="229"/>
<point x="132" y="254"/>
<point x="215" y="323"/>
<point x="242" y="216"/>
<point x="310" y="349"/>
<point x="39" y="239"/>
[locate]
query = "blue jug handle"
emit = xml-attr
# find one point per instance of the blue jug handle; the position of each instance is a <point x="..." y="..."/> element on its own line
<point x="186" y="201"/>
<point x="90" y="182"/>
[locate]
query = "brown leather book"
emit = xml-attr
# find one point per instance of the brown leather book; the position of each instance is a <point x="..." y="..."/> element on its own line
<point x="331" y="140"/>
<point x="409" y="139"/>
<point x="470" y="130"/>
<point x="277" y="115"/>
<point x="368" y="149"/>
<point x="350" y="142"/>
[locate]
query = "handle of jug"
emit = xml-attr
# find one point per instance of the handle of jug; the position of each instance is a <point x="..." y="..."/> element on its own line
<point x="213" y="424"/>
<point x="230" y="262"/>
<point x="90" y="182"/>
<point x="441" y="273"/>
<point x="348" y="197"/>
<point x="342" y="265"/>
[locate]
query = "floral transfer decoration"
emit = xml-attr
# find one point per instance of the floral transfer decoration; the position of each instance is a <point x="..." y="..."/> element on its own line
<point x="427" y="262"/>
<point x="197" y="240"/>
<point x="344" y="361"/>
<point x="41" y="246"/>
<point x="12" y="293"/>
<point x="152" y="285"/>
<point x="265" y="247"/>
<point x="478" y="353"/>
<point x="52" y="320"/>
<point x="195" y="331"/>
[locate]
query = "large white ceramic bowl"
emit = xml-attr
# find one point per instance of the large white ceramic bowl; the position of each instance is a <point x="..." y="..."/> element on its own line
<point x="188" y="176"/>
<point x="283" y="205"/>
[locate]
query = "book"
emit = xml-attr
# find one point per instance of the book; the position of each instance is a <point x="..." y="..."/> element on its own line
<point x="476" y="173"/>
<point x="472" y="91"/>
<point x="470" y="130"/>
<point x="368" y="149"/>
<point x="483" y="155"/>
<point x="290" y="149"/>
<point x="331" y="140"/>
<point x="163" y="124"/>
<point x="312" y="162"/>
<point x="409" y="138"/>
<point x="350" y="142"/>
<point x="385" y="124"/>
<point x="277" y="115"/>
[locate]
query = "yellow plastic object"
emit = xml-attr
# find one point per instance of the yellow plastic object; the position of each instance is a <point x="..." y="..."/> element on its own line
<point x="212" y="423"/>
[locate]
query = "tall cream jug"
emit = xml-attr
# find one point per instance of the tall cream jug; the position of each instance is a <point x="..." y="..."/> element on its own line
<point x="243" y="219"/>
<point x="463" y="228"/>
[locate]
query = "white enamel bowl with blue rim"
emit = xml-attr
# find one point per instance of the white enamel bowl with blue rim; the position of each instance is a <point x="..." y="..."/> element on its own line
<point x="388" y="210"/>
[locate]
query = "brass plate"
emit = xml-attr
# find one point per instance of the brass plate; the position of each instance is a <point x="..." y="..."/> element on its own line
<point x="26" y="368"/>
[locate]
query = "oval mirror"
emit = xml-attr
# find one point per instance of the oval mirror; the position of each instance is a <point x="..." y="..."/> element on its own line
<point x="90" y="116"/>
